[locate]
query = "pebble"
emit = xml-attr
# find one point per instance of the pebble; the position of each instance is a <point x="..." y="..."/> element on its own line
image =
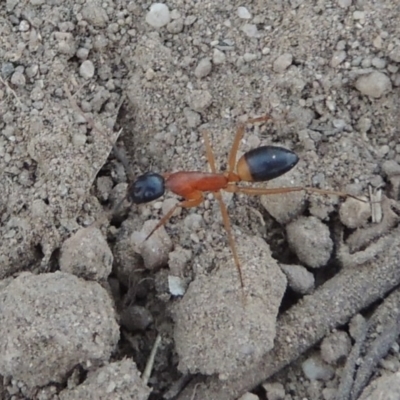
<point x="249" y="57"/>
<point x="394" y="55"/>
<point x="243" y="13"/>
<point x="104" y="185"/>
<point x="7" y="69"/>
<point x="156" y="248"/>
<point x="337" y="58"/>
<point x="218" y="57"/>
<point x="249" y="396"/>
<point x="374" y="84"/>
<point x="364" y="124"/>
<point x="250" y="30"/>
<point x="378" y="63"/>
<point x="95" y="14"/>
<point x="344" y="3"/>
<point x="299" y="279"/>
<point x="391" y="168"/>
<point x="287" y="206"/>
<point x="274" y="391"/>
<point x="168" y="204"/>
<point x="359" y="16"/>
<point x="175" y="26"/>
<point x="32" y="70"/>
<point x="24" y="26"/>
<point x="354" y="213"/>
<point x="86" y="254"/>
<point x="136" y="318"/>
<point x="203" y="68"/>
<point x="177" y="286"/>
<point x="199" y="100"/>
<point x="86" y="70"/>
<point x="335" y="347"/>
<point x="18" y="79"/>
<point x="158" y="16"/>
<point x="193" y="118"/>
<point x="282" y="63"/>
<point x="82" y="53"/>
<point x="310" y="239"/>
<point x="314" y="368"/>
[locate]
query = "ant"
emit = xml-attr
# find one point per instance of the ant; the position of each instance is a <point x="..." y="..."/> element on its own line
<point x="257" y="165"/>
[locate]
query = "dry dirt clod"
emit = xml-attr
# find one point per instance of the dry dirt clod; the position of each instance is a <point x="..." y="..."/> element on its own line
<point x="156" y="248"/>
<point x="249" y="396"/>
<point x="86" y="254"/>
<point x="354" y="213"/>
<point x="120" y="380"/>
<point x="136" y="318"/>
<point x="315" y="368"/>
<point x="335" y="347"/>
<point x="217" y="331"/>
<point x="384" y="387"/>
<point x="285" y="207"/>
<point x="374" y="85"/>
<point x="50" y="323"/>
<point x="274" y="391"/>
<point x="310" y="239"/>
<point x="299" y="279"/>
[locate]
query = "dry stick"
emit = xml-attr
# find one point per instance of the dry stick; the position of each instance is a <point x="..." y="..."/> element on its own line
<point x="150" y="361"/>
<point x="380" y="346"/>
<point x="301" y="327"/>
<point x="347" y="375"/>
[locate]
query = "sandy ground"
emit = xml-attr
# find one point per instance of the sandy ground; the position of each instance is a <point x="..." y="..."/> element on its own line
<point x="83" y="299"/>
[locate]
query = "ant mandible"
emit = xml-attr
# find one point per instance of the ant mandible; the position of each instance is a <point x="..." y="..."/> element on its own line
<point x="257" y="165"/>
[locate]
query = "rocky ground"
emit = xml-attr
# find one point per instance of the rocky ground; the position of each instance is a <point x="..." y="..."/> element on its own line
<point x="92" y="94"/>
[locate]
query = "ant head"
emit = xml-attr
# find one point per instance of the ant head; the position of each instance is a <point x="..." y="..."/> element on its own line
<point x="146" y="188"/>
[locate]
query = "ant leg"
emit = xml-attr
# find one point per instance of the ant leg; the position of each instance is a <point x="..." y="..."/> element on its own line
<point x="224" y="211"/>
<point x="197" y="199"/>
<point x="209" y="152"/>
<point x="228" y="228"/>
<point x="266" y="191"/>
<point x="238" y="138"/>
<point x="234" y="148"/>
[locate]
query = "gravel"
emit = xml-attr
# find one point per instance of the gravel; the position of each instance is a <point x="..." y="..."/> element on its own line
<point x="177" y="68"/>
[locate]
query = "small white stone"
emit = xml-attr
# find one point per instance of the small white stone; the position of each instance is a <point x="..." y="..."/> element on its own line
<point x="378" y="63"/>
<point x="249" y="57"/>
<point x="243" y="13"/>
<point x="250" y="30"/>
<point x="158" y="16"/>
<point x="177" y="286"/>
<point x="344" y="3"/>
<point x="374" y="84"/>
<point x="218" y="57"/>
<point x="23" y="26"/>
<point x="359" y="16"/>
<point x="282" y="63"/>
<point x="314" y="368"/>
<point x="337" y="58"/>
<point x="203" y="68"/>
<point x="86" y="70"/>
<point x="82" y="53"/>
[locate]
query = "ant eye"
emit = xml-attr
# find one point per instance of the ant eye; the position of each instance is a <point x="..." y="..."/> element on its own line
<point x="146" y="188"/>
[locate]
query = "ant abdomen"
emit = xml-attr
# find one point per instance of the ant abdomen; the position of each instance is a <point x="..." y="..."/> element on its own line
<point x="265" y="163"/>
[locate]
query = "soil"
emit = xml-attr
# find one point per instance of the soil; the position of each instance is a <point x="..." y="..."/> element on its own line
<point x="327" y="74"/>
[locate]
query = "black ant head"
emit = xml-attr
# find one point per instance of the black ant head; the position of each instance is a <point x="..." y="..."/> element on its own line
<point x="146" y="188"/>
